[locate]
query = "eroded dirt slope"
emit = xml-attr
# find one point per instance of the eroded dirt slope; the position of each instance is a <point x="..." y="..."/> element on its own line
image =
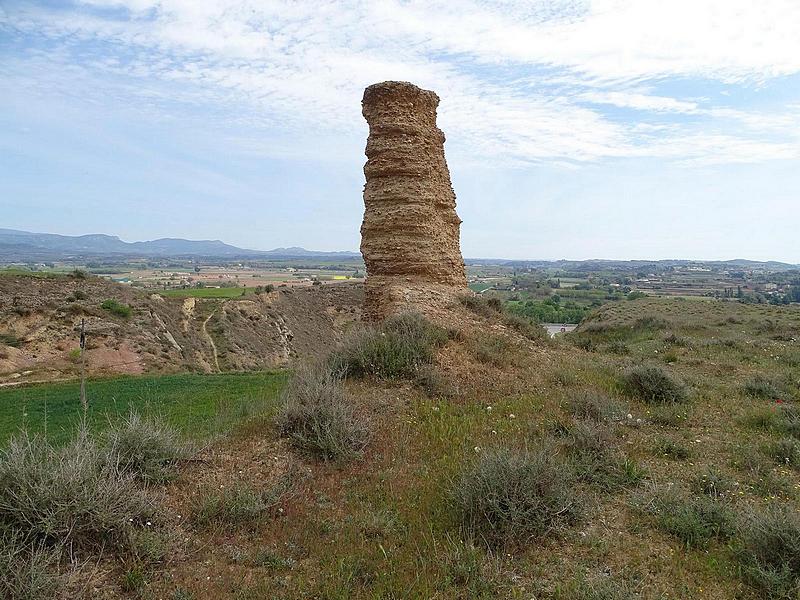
<point x="40" y="319"/>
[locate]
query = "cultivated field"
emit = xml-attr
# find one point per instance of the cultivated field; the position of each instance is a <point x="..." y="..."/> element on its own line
<point x="195" y="404"/>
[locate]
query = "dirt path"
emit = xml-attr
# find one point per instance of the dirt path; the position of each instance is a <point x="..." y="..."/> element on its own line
<point x="211" y="341"/>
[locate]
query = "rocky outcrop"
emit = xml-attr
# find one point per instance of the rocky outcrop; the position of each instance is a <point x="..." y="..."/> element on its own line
<point x="410" y="232"/>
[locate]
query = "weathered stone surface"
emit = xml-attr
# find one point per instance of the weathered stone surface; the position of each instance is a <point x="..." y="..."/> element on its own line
<point x="410" y="232"/>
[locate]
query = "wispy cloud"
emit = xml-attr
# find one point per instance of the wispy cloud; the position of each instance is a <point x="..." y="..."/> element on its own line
<point x="521" y="81"/>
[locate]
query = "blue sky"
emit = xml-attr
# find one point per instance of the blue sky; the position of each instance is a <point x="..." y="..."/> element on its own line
<point x="575" y="128"/>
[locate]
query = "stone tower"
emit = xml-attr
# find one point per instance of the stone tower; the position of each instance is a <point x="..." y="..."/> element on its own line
<point x="410" y="232"/>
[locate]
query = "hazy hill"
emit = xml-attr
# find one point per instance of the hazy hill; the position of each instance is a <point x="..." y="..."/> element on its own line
<point x="24" y="245"/>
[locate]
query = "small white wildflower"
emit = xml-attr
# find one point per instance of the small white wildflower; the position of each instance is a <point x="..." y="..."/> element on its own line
<point x="435" y="409"/>
<point x="149" y="523"/>
<point x="630" y="416"/>
<point x="477" y="448"/>
<point x="488" y="409"/>
<point x="512" y="416"/>
<point x="494" y="432"/>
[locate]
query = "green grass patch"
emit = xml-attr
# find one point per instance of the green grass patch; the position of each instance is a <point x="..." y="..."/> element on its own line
<point x="116" y="308"/>
<point x="195" y="403"/>
<point x="230" y="292"/>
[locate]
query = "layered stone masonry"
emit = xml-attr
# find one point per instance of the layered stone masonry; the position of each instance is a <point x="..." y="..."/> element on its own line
<point x="410" y="233"/>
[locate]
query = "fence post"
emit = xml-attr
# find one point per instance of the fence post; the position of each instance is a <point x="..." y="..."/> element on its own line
<point x="83" y="374"/>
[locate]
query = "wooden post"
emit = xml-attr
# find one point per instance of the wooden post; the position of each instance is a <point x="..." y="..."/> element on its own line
<point x="83" y="374"/>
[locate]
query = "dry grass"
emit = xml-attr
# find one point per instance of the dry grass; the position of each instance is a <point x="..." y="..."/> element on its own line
<point x="397" y="349"/>
<point x="509" y="497"/>
<point x="318" y="416"/>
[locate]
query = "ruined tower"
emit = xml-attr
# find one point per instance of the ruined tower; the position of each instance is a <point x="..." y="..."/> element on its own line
<point x="410" y="232"/>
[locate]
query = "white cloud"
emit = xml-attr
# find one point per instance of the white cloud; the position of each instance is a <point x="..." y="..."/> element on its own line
<point x="520" y="81"/>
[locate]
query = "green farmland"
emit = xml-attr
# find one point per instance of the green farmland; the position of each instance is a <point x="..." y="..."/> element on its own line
<point x="200" y="405"/>
<point x="231" y="292"/>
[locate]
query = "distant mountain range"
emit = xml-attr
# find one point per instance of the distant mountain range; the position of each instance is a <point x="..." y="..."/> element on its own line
<point x="606" y="264"/>
<point x="26" y="246"/>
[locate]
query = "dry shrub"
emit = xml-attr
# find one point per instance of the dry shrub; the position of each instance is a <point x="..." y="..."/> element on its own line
<point x="397" y="349"/>
<point x="435" y="384"/>
<point x="484" y="306"/>
<point x="784" y="451"/>
<point x="595" y="406"/>
<point x="712" y="483"/>
<point x="492" y="350"/>
<point x="654" y="385"/>
<point x="318" y="416"/>
<point x="28" y="569"/>
<point x="147" y="448"/>
<point x="509" y="497"/>
<point x="593" y="451"/>
<point x="526" y="327"/>
<point x="761" y="387"/>
<point x="769" y="552"/>
<point x="77" y="493"/>
<point x="695" y="521"/>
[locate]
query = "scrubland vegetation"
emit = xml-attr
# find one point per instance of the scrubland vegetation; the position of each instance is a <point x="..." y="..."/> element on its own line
<point x="651" y="454"/>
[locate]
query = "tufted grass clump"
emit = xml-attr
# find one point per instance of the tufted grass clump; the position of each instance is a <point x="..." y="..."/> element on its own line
<point x="508" y="497"/>
<point x="695" y="521"/>
<point x="76" y="494"/>
<point x="712" y="483"/>
<point x="10" y="339"/>
<point x="784" y="451"/>
<point x="527" y="328"/>
<point x="241" y="503"/>
<point x="769" y="552"/>
<point x="594" y="454"/>
<point x="654" y="385"/>
<point x="319" y="418"/>
<point x="492" y="350"/>
<point x="763" y="388"/>
<point x="147" y="448"/>
<point x="670" y="449"/>
<point x="600" y="587"/>
<point x="397" y="349"/>
<point x="589" y="404"/>
<point x="436" y="384"/>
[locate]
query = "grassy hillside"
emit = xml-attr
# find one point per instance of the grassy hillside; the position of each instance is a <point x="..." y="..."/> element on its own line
<point x="655" y="453"/>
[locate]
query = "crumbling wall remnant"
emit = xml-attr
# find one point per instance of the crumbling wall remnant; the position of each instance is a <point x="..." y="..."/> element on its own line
<point x="410" y="232"/>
